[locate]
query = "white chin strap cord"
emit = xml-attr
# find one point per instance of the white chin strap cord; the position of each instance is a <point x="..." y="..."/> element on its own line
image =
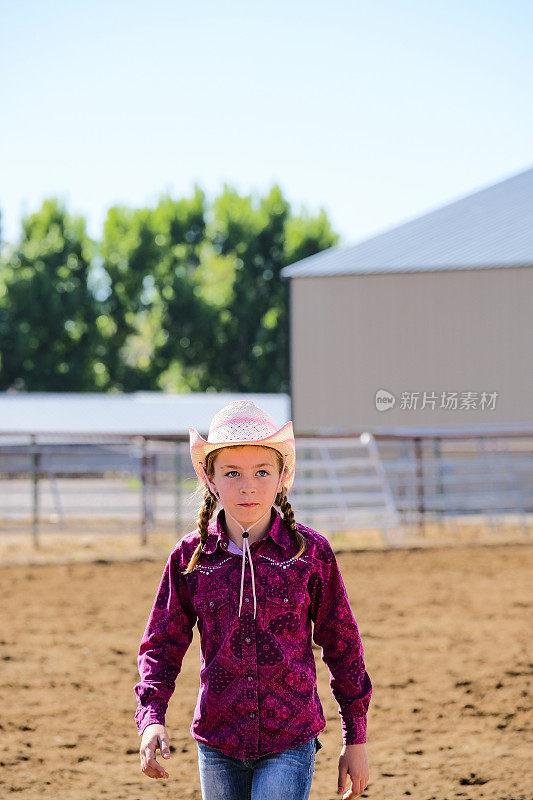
<point x="245" y="533"/>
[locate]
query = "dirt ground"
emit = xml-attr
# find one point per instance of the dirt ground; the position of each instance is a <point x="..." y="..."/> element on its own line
<point x="445" y="631"/>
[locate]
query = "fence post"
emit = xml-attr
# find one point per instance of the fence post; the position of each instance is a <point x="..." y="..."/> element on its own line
<point x="152" y="486"/>
<point x="439" y="483"/>
<point x="144" y="492"/>
<point x="420" y="484"/>
<point x="35" y="458"/>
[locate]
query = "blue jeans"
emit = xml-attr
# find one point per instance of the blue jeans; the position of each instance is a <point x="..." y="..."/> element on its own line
<point x="276" y="776"/>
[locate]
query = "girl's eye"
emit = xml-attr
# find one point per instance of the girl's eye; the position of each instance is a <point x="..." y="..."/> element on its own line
<point x="261" y="472"/>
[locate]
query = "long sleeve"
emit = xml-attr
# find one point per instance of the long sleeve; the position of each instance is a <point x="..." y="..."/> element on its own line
<point x="336" y="632"/>
<point x="165" y="641"/>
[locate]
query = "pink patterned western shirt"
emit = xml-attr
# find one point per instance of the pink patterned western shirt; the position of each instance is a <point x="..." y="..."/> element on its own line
<point x="258" y="690"/>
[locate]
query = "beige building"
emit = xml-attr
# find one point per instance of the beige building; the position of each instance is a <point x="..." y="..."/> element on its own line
<point x="428" y="325"/>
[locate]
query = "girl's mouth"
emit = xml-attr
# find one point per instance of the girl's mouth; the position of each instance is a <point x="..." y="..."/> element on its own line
<point x="248" y="505"/>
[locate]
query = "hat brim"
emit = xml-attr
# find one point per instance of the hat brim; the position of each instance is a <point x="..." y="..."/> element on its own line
<point x="282" y="441"/>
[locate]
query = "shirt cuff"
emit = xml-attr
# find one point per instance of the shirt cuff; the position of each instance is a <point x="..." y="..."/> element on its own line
<point x="149" y="715"/>
<point x="354" y="730"/>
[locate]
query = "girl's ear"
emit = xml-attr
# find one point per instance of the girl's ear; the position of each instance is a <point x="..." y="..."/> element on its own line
<point x="212" y="477"/>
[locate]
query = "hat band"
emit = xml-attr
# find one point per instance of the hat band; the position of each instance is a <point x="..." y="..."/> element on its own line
<point x="227" y="433"/>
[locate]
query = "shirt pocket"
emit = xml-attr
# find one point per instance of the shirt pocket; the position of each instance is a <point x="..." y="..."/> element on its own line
<point x="213" y="609"/>
<point x="282" y="613"/>
<point x="274" y="605"/>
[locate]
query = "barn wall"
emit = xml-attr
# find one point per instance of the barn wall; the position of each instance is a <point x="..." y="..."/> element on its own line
<point x="447" y="331"/>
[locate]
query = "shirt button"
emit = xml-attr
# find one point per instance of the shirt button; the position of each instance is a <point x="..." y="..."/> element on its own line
<point x="246" y="599"/>
<point x="250" y="678"/>
<point x="285" y="600"/>
<point x="252" y="715"/>
<point x="247" y="640"/>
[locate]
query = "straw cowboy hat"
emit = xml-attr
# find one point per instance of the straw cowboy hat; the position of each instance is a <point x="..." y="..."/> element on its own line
<point x="242" y="422"/>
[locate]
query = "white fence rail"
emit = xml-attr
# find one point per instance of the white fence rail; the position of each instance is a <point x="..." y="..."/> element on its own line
<point x="342" y="483"/>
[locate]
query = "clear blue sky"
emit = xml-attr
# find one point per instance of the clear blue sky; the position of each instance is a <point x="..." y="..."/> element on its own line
<point x="377" y="111"/>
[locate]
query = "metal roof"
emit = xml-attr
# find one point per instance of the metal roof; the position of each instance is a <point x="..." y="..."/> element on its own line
<point x="490" y="228"/>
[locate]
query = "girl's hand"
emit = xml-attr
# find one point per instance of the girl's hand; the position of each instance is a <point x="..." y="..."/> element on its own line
<point x="353" y="761"/>
<point x="154" y="736"/>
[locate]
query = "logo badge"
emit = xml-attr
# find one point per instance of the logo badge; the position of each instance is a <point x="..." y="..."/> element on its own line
<point x="384" y="400"/>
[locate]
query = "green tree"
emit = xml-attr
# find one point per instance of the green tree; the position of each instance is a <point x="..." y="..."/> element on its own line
<point x="236" y="334"/>
<point x="147" y="258"/>
<point x="48" y="333"/>
<point x="180" y="297"/>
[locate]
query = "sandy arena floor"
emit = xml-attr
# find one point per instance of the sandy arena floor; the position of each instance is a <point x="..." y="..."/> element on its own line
<point x="445" y="631"/>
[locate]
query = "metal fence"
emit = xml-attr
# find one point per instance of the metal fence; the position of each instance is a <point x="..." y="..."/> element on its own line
<point x="342" y="483"/>
<point x="484" y="475"/>
<point x="95" y="484"/>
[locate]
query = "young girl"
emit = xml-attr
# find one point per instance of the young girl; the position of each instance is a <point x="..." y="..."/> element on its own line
<point x="253" y="581"/>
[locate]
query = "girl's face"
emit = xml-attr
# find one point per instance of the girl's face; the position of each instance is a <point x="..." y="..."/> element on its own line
<point x="246" y="479"/>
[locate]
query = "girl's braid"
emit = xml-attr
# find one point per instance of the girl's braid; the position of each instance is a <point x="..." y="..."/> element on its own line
<point x="204" y="515"/>
<point x="288" y="517"/>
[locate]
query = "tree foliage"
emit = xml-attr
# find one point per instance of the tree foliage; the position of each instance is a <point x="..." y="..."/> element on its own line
<point x="180" y="297"/>
<point x="47" y="312"/>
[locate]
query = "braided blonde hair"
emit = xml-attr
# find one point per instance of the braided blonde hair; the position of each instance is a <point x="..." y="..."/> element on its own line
<point x="209" y="504"/>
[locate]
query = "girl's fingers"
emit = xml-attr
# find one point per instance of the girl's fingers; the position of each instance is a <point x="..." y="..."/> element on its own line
<point x="164" y="747"/>
<point x="149" y="764"/>
<point x="157" y="768"/>
<point x="342" y="777"/>
<point x="357" y="788"/>
<point x="150" y="773"/>
<point x="155" y="771"/>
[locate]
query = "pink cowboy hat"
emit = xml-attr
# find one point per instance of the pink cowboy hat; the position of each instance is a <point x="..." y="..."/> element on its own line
<point x="242" y="422"/>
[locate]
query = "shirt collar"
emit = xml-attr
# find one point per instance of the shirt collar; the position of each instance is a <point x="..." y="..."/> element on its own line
<point x="217" y="534"/>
